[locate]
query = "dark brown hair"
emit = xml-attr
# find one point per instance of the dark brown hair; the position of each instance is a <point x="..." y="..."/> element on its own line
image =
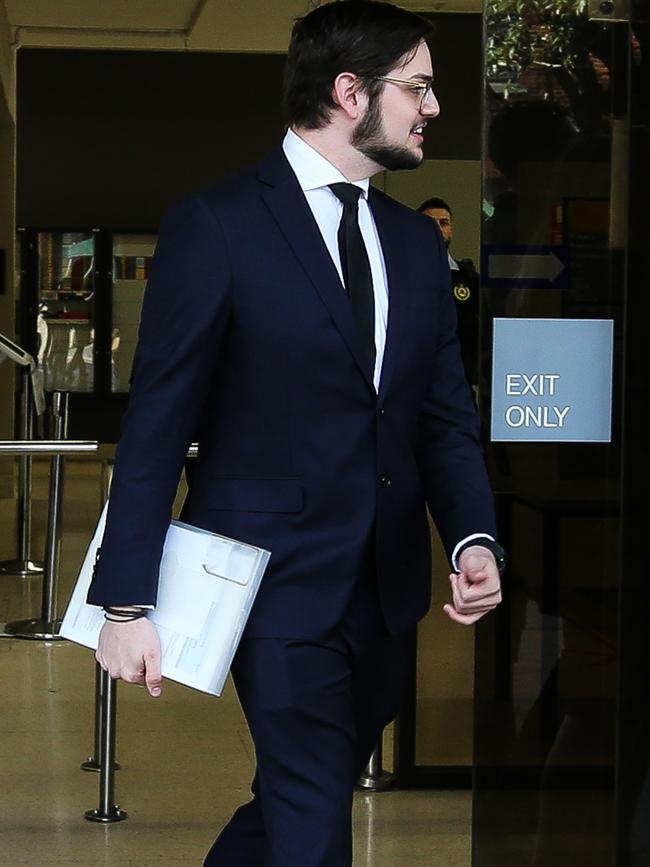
<point x="363" y="37"/>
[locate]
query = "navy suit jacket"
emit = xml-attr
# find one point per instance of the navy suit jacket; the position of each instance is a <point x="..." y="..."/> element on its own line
<point x="248" y="344"/>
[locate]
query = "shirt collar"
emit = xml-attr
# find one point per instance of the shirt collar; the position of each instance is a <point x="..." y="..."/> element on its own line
<point x="312" y="169"/>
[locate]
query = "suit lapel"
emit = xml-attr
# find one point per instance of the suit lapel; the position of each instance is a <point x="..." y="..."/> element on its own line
<point x="393" y="244"/>
<point x="288" y="206"/>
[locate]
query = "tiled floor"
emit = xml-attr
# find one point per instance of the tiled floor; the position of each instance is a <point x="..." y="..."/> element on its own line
<point x="186" y="758"/>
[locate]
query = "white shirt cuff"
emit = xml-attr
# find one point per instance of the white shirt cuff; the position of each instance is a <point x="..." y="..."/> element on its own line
<point x="454" y="561"/>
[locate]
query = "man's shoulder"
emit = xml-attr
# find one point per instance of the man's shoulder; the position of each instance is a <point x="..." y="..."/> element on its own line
<point x="228" y="192"/>
<point x="422" y="232"/>
<point x="398" y="210"/>
<point x="231" y="194"/>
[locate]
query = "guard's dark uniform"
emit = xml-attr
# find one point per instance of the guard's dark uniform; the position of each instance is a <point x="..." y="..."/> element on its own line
<point x="464" y="281"/>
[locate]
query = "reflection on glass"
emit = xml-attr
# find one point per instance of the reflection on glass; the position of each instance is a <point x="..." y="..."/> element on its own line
<point x="547" y="665"/>
<point x="132" y="255"/>
<point x="65" y="318"/>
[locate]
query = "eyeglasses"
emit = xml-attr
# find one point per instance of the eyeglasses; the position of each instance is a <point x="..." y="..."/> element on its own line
<point x="422" y="89"/>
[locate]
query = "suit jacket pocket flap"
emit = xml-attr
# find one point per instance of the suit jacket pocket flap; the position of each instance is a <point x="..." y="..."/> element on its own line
<point x="255" y="495"/>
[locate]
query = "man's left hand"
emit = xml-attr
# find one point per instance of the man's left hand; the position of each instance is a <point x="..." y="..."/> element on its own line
<point x="476" y="589"/>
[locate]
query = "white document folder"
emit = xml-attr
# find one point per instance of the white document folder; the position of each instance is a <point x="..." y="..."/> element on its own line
<point x="207" y="587"/>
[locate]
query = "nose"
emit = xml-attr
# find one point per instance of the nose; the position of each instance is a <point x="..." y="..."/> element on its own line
<point x="430" y="106"/>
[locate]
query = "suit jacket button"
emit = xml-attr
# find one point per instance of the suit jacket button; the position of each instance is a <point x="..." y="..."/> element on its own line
<point x="382" y="411"/>
<point x="385" y="481"/>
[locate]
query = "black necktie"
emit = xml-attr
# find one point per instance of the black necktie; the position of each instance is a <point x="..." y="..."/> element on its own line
<point x="357" y="275"/>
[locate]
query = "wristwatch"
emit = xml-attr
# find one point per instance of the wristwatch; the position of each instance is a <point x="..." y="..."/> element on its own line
<point x="499" y="553"/>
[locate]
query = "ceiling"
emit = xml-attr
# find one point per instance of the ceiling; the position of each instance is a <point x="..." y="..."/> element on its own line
<point x="202" y="25"/>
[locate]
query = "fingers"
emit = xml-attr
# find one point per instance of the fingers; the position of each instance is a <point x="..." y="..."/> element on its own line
<point x="470" y="596"/>
<point x="117" y="672"/>
<point x="464" y="619"/>
<point x="133" y="675"/>
<point x="473" y="597"/>
<point x="131" y="652"/>
<point x="153" y="678"/>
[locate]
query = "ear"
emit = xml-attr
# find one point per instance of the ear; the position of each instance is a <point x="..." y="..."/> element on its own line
<point x="350" y="95"/>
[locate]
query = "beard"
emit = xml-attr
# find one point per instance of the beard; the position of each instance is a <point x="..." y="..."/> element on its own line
<point x="370" y="140"/>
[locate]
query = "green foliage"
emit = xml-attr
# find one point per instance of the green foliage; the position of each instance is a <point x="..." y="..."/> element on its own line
<point x="523" y="33"/>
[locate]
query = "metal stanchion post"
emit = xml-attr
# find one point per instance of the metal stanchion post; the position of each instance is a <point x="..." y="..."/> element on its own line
<point x="107" y="811"/>
<point x="93" y="763"/>
<point x="374" y="778"/>
<point x="24" y="566"/>
<point x="107" y="478"/>
<point x="99" y="762"/>
<point x="46" y="627"/>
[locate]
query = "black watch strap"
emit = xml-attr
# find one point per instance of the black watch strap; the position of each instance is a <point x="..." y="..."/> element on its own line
<point x="499" y="553"/>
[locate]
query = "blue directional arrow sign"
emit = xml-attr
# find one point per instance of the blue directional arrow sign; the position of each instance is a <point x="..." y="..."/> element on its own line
<point x="521" y="267"/>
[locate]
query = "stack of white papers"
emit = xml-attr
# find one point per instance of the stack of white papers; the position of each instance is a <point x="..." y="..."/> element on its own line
<point x="208" y="584"/>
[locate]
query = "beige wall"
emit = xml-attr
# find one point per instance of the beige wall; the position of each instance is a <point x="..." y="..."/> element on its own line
<point x="445" y="679"/>
<point x="7" y="65"/>
<point x="458" y="182"/>
<point x="445" y="671"/>
<point x="7" y="234"/>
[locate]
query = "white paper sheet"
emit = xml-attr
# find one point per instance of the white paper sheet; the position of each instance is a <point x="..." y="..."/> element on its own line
<point x="207" y="587"/>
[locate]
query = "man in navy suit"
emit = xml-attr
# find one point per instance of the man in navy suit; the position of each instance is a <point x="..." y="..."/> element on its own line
<point x="300" y="324"/>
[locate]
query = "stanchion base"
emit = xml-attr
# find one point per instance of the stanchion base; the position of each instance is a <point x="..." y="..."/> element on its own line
<point x="36" y="629"/>
<point x="114" y="815"/>
<point x="22" y="568"/>
<point x="380" y="783"/>
<point x="92" y="764"/>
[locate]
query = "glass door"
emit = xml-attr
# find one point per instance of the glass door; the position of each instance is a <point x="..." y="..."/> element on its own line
<point x="555" y="394"/>
<point x="65" y="318"/>
<point x="132" y="255"/>
<point x="81" y="297"/>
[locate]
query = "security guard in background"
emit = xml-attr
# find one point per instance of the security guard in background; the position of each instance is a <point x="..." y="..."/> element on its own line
<point x="464" y="280"/>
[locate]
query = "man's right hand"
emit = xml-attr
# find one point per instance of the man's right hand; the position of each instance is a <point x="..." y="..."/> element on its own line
<point x="131" y="651"/>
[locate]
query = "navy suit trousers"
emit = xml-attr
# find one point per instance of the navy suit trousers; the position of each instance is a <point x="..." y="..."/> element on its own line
<point x="315" y="711"/>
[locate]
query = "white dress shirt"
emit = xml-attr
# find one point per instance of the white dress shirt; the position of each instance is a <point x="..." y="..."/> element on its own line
<point x="314" y="174"/>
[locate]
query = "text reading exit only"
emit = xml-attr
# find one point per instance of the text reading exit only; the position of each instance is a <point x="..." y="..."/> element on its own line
<point x="538" y="385"/>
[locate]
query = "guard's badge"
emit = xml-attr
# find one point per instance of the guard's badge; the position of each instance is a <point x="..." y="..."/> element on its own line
<point x="461" y="293"/>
